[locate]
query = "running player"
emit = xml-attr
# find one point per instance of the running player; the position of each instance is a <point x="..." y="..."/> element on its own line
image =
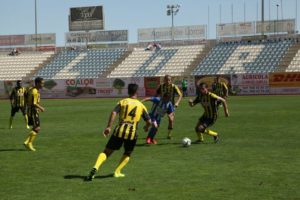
<point x="220" y="88"/>
<point x="130" y="111"/>
<point x="160" y="107"/>
<point x="172" y="89"/>
<point x="208" y="101"/>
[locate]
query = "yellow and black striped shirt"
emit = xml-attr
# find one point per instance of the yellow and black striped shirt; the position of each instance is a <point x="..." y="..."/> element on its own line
<point x="209" y="104"/>
<point x="33" y="98"/>
<point x="130" y="112"/>
<point x="172" y="89"/>
<point x="17" y="97"/>
<point x="220" y="89"/>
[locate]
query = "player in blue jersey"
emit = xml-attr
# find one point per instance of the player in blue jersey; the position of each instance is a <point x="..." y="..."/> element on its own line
<point x="160" y="107"/>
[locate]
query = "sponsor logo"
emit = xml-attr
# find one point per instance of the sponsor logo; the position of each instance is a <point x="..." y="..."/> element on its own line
<point x="295" y="77"/>
<point x="77" y="82"/>
<point x="255" y="76"/>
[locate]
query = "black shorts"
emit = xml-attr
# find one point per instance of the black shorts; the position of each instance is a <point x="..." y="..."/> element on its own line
<point x="207" y="122"/>
<point x="115" y="143"/>
<point x="34" y="118"/>
<point x="16" y="109"/>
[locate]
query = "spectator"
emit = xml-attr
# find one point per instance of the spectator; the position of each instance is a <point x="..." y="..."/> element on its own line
<point x="157" y="46"/>
<point x="149" y="47"/>
<point x="184" y="86"/>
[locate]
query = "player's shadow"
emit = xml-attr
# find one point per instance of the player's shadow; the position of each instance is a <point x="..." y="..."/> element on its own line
<point x="158" y="144"/>
<point x="83" y="177"/>
<point x="6" y="150"/>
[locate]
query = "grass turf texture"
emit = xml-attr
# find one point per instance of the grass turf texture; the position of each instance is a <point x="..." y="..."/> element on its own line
<point x="257" y="157"/>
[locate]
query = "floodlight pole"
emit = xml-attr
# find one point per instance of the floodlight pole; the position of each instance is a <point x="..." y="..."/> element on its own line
<point x="277" y="5"/>
<point x="296" y="15"/>
<point x="172" y="26"/>
<point x="172" y="10"/>
<point x="244" y="11"/>
<point x="263" y="16"/>
<point x="35" y="17"/>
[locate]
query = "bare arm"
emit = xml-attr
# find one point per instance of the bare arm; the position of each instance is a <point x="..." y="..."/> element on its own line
<point x="178" y="100"/>
<point x="225" y="90"/>
<point x="11" y="97"/>
<point x="179" y="97"/>
<point x="146" y="99"/>
<point x="41" y="108"/>
<point x="224" y="106"/>
<point x="109" y="124"/>
<point x="147" y="125"/>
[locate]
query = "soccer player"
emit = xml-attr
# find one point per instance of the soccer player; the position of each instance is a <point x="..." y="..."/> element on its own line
<point x="208" y="101"/>
<point x="33" y="109"/>
<point x="184" y="86"/>
<point x="130" y="111"/>
<point x="173" y="90"/>
<point x="17" y="101"/>
<point x="220" y="88"/>
<point x="160" y="107"/>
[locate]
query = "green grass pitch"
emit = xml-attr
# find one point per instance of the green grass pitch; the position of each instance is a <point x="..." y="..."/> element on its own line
<point x="258" y="156"/>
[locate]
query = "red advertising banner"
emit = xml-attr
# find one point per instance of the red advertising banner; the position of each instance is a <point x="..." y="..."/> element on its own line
<point x="12" y="40"/>
<point x="284" y="79"/>
<point x="284" y="83"/>
<point x="151" y="84"/>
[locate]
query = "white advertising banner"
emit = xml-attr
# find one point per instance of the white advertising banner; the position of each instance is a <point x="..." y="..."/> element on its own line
<point x="250" y="84"/>
<point x="81" y="88"/>
<point x="232" y="29"/>
<point x="97" y="36"/>
<point x="165" y="33"/>
<point x="47" y="38"/>
<point x="247" y="28"/>
<point x="225" y="30"/>
<point x="280" y="26"/>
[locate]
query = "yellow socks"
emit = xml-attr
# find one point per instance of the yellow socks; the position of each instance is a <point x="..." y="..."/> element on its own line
<point x="124" y="160"/>
<point x="29" y="140"/>
<point x="200" y="137"/>
<point x="26" y="121"/>
<point x="100" y="160"/>
<point x="31" y="137"/>
<point x="210" y="132"/>
<point x="10" y="122"/>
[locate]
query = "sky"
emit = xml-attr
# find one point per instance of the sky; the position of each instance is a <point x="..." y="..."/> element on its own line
<point x="17" y="17"/>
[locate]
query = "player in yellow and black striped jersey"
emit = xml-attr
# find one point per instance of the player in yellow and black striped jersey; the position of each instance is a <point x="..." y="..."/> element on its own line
<point x="220" y="88"/>
<point x="208" y="101"/>
<point x="173" y="90"/>
<point x="130" y="111"/>
<point x="18" y="102"/>
<point x="33" y="108"/>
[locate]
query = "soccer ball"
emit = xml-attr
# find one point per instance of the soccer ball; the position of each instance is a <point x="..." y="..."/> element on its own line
<point x="186" y="142"/>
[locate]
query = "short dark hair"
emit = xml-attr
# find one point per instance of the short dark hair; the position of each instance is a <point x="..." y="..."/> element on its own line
<point x="202" y="85"/>
<point x="38" y="80"/>
<point x="19" y="83"/>
<point x="132" y="89"/>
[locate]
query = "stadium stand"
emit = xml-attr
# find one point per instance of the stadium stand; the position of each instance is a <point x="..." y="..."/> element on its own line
<point x="90" y="63"/>
<point x="243" y="57"/>
<point x="174" y="61"/>
<point x="294" y="65"/>
<point x="19" y="67"/>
